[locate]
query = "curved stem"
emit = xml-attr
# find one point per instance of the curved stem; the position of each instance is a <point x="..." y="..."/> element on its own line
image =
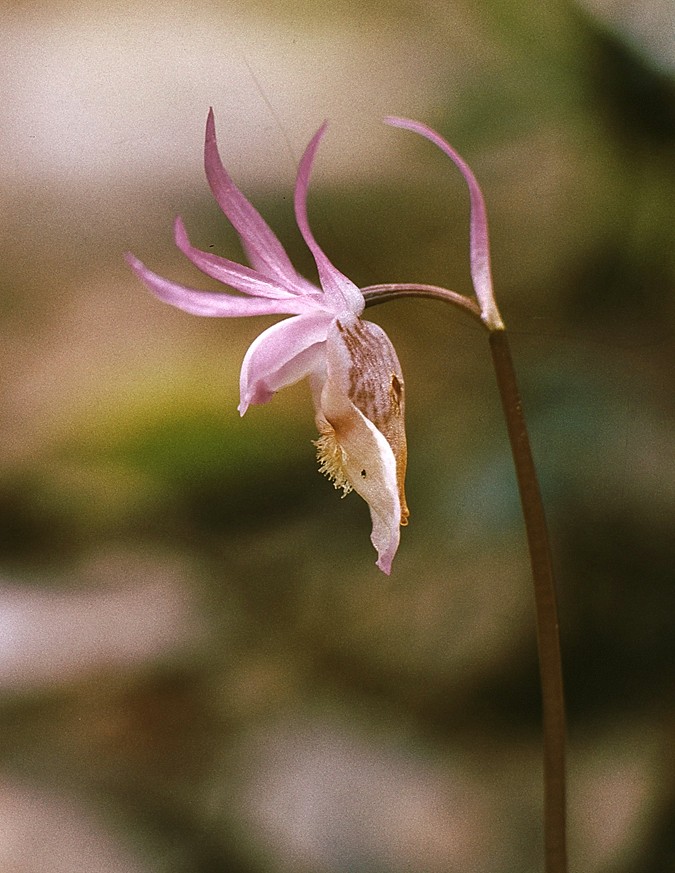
<point x="548" y="636"/>
<point x="546" y="610"/>
<point x="375" y="294"/>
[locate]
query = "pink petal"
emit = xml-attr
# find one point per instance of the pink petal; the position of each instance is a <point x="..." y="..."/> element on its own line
<point x="262" y="247"/>
<point x="235" y="275"/>
<point x="341" y="292"/>
<point x="480" y="243"/>
<point x="214" y="304"/>
<point x="282" y="355"/>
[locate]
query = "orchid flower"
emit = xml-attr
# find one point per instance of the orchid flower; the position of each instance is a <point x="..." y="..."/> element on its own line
<point x="354" y="374"/>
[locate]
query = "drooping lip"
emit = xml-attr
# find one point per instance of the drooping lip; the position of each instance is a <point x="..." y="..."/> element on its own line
<point x="377" y="389"/>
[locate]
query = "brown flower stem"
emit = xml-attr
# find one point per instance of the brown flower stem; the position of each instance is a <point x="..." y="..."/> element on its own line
<point x="546" y="610"/>
<point x="548" y="638"/>
<point x="375" y="294"/>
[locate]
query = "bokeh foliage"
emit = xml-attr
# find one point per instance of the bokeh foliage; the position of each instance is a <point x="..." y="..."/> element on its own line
<point x="125" y="460"/>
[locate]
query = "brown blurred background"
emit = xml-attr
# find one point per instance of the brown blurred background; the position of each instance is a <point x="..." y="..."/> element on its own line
<point x="201" y="669"/>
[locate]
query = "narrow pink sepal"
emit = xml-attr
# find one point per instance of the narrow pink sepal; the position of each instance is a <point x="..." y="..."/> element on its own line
<point x="479" y="239"/>
<point x="343" y="295"/>
<point x="237" y="276"/>
<point x="214" y="304"/>
<point x="282" y="355"/>
<point x="263" y="249"/>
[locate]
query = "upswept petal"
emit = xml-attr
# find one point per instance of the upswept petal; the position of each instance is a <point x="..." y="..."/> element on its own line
<point x="481" y="274"/>
<point x="282" y="355"/>
<point x="263" y="249"/>
<point x="215" y="304"/>
<point x="235" y="275"/>
<point x="342" y="294"/>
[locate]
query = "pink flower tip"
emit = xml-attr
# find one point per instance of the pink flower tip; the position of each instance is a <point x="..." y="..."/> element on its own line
<point x="479" y="239"/>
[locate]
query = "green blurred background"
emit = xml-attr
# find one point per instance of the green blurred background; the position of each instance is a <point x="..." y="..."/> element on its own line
<point x="201" y="669"/>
